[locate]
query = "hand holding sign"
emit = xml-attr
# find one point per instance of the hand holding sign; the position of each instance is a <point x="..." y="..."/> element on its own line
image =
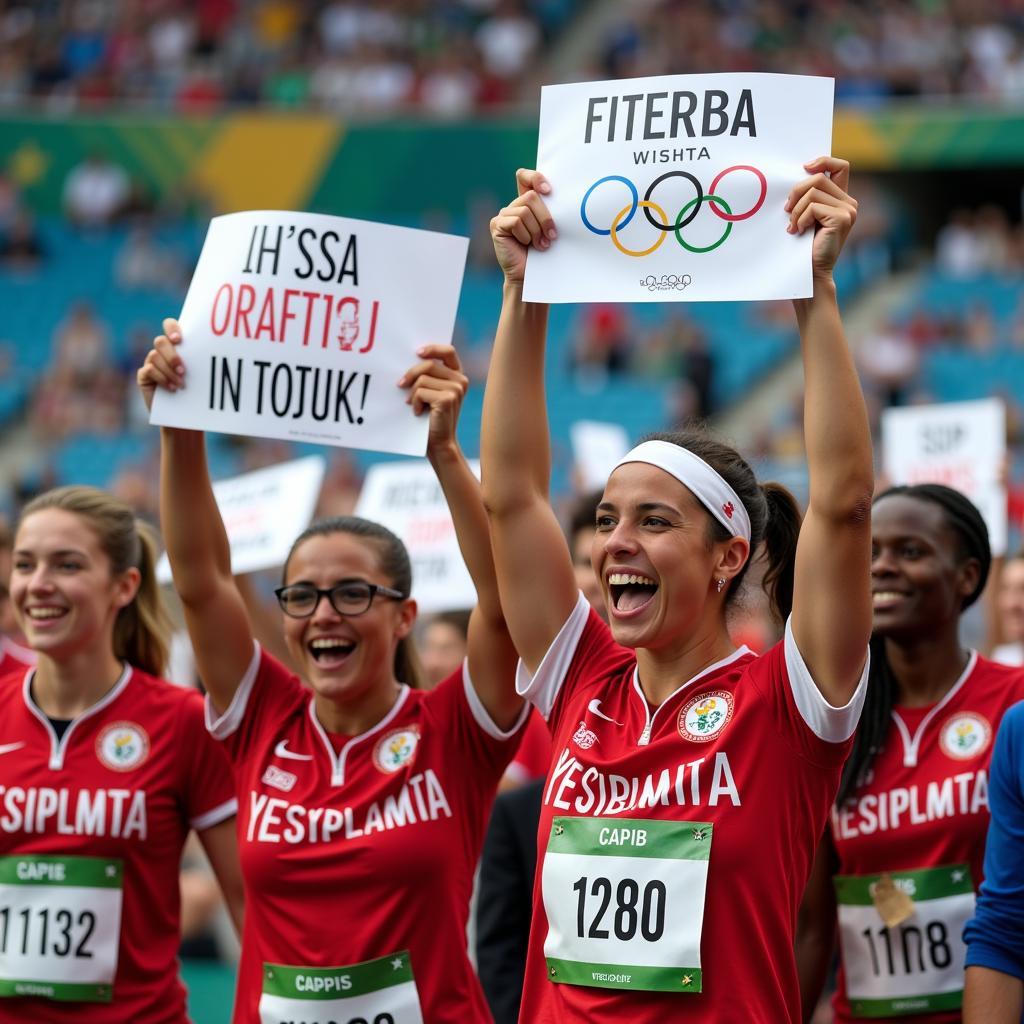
<point x="820" y="201"/>
<point x="524" y="222"/>
<point x="163" y="366"/>
<point x="438" y="384"/>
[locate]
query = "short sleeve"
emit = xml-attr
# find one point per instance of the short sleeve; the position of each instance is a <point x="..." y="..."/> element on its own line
<point x="469" y="729"/>
<point x="266" y="694"/>
<point x="208" y="787"/>
<point x="814" y="728"/>
<point x="583" y="648"/>
<point x="995" y="936"/>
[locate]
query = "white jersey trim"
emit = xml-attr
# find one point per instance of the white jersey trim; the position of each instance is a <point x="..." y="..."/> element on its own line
<point x="827" y="722"/>
<point x="645" y="735"/>
<point x="227" y="724"/>
<point x="17" y="651"/>
<point x="912" y="744"/>
<point x="480" y="713"/>
<point x="226" y="810"/>
<point x="541" y="689"/>
<point x="338" y="760"/>
<point x="59" y="747"/>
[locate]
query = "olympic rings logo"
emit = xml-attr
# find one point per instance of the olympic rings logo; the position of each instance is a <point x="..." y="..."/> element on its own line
<point x="716" y="203"/>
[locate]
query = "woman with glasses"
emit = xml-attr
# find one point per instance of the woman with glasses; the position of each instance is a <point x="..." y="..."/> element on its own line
<point x="363" y="800"/>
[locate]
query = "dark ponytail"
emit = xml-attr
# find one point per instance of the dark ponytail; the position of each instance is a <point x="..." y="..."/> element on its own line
<point x="394" y="563"/>
<point x="774" y="515"/>
<point x="781" y="532"/>
<point x="964" y="519"/>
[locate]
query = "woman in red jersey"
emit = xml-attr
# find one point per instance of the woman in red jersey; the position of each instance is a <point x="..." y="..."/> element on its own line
<point x="690" y="780"/>
<point x="105" y="769"/>
<point x="903" y="859"/>
<point x="363" y="803"/>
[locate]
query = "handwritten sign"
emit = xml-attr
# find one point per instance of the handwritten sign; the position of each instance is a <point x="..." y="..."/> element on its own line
<point x="671" y="189"/>
<point x="959" y="444"/>
<point x="264" y="511"/>
<point x="297" y="326"/>
<point x="407" y="499"/>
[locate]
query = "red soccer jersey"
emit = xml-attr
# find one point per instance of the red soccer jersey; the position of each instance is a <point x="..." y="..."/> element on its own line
<point x="92" y="828"/>
<point x="534" y="754"/>
<point x="923" y="807"/>
<point x="362" y="854"/>
<point x="675" y="843"/>
<point x="14" y="657"/>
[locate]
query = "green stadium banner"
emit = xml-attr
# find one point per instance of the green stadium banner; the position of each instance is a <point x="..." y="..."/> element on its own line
<point x="401" y="170"/>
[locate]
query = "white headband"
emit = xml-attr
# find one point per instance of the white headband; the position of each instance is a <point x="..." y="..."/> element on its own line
<point x="707" y="485"/>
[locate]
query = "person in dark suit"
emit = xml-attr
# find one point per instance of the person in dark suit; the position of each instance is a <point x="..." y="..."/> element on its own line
<point x="505" y="898"/>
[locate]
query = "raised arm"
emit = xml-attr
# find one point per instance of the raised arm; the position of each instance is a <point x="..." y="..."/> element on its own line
<point x="438" y="384"/>
<point x="197" y="544"/>
<point x="534" y="568"/>
<point x="832" y="596"/>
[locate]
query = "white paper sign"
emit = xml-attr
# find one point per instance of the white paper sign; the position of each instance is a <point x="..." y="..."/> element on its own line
<point x="407" y="499"/>
<point x="672" y="188"/>
<point x="264" y="511"/>
<point x="297" y="326"/>
<point x="960" y="444"/>
<point x="596" y="448"/>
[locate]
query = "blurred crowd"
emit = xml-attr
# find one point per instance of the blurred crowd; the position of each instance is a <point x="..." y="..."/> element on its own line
<point x="441" y="57"/>
<point x="875" y="50"/>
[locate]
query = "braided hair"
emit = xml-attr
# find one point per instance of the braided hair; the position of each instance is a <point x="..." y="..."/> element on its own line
<point x="964" y="519"/>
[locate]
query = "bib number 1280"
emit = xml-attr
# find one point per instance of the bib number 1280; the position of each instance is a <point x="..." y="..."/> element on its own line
<point x="619" y="908"/>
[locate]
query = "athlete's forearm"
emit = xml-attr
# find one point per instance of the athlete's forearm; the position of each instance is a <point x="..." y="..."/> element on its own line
<point x="197" y="543"/>
<point x="515" y="445"/>
<point x="991" y="997"/>
<point x="836" y="431"/>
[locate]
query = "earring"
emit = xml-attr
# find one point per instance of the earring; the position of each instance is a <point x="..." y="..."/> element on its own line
<point x="720" y="583"/>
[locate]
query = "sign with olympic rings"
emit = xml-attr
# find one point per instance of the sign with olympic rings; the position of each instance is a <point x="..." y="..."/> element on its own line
<point x="682" y="160"/>
<point x="662" y="224"/>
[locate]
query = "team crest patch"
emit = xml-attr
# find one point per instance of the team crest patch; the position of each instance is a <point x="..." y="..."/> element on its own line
<point x="396" y="749"/>
<point x="122" y="746"/>
<point x="965" y="736"/>
<point x="705" y="716"/>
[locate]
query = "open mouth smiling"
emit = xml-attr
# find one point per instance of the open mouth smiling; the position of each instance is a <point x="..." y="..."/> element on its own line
<point x="630" y="591"/>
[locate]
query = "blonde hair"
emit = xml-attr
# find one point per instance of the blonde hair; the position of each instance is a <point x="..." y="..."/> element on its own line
<point x="142" y="628"/>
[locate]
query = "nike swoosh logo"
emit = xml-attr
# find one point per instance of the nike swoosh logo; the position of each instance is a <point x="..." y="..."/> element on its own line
<point x="8" y="747"/>
<point x="281" y="750"/>
<point x="594" y="707"/>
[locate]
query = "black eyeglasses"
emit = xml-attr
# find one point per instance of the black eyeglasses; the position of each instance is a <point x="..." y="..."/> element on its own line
<point x="353" y="597"/>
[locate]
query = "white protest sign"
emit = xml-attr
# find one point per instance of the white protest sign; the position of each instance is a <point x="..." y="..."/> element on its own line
<point x="264" y="511"/>
<point x="297" y="326"/>
<point x="672" y="188"/>
<point x="596" y="448"/>
<point x="960" y="444"/>
<point x="407" y="499"/>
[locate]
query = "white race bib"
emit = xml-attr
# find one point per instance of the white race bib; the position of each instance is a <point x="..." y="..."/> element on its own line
<point x="375" y="992"/>
<point x="914" y="967"/>
<point x="625" y="902"/>
<point x="60" y="926"/>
